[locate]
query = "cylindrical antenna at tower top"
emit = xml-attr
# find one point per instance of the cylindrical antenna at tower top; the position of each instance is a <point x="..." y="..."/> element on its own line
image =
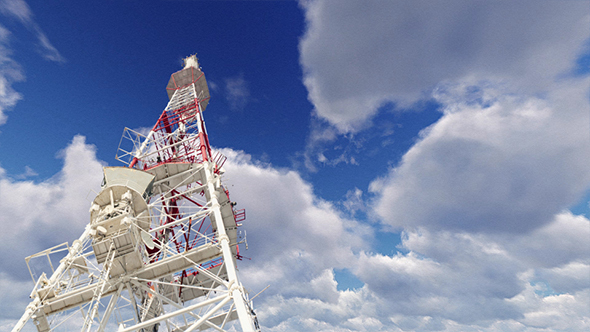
<point x="182" y="79"/>
<point x="191" y="61"/>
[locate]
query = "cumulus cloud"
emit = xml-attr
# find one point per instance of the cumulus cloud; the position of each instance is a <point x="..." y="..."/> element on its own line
<point x="15" y="298"/>
<point x="481" y="197"/>
<point x="295" y="235"/>
<point x="357" y="56"/>
<point x="354" y="201"/>
<point x="441" y="280"/>
<point x="41" y="215"/>
<point x="351" y="311"/>
<point x="449" y="281"/>
<point x="486" y="244"/>
<point x="563" y="240"/>
<point x="296" y="239"/>
<point x="502" y="163"/>
<point x="464" y="280"/>
<point x="468" y="289"/>
<point x="560" y="312"/>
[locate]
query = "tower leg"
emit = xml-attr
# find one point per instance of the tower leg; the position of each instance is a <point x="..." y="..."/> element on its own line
<point x="235" y="287"/>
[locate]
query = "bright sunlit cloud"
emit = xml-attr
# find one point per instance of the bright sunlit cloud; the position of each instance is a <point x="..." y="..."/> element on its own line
<point x="357" y="56"/>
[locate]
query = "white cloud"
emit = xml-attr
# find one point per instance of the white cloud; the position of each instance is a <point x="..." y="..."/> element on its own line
<point x="547" y="246"/>
<point x="471" y="283"/>
<point x="40" y="215"/>
<point x="294" y="235"/>
<point x="504" y="163"/>
<point x="569" y="278"/>
<point x="352" y="311"/>
<point x="356" y="55"/>
<point x="29" y="172"/>
<point x="445" y="280"/>
<point x="484" y="282"/>
<point x="295" y="238"/>
<point x="237" y="92"/>
<point x="14" y="294"/>
<point x="17" y="9"/>
<point x="469" y="288"/>
<point x="354" y="201"/>
<point x="21" y="11"/>
<point x="326" y="147"/>
<point x="319" y="136"/>
<point x="481" y="196"/>
<point x="563" y="312"/>
<point x="10" y="72"/>
<point x="48" y="51"/>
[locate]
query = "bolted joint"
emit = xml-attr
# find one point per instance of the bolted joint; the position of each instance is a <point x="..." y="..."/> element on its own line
<point x="234" y="286"/>
<point x="224" y="237"/>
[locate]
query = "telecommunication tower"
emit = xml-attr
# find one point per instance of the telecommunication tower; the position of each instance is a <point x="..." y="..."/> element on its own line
<point x="159" y="253"/>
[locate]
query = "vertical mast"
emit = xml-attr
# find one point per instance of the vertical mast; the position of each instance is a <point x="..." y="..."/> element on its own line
<point x="180" y="136"/>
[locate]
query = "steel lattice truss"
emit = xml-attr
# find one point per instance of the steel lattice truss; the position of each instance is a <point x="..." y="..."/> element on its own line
<point x="160" y="250"/>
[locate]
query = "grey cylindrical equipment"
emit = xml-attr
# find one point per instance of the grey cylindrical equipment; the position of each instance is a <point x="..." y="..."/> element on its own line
<point x="190" y="74"/>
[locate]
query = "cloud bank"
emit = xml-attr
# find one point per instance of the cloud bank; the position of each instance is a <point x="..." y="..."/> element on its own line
<point x="506" y="163"/>
<point x="296" y="237"/>
<point x="37" y="216"/>
<point x="439" y="279"/>
<point x="359" y="55"/>
<point x="481" y="199"/>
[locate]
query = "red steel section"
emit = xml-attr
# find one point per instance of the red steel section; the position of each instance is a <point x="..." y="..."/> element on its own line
<point x="173" y="145"/>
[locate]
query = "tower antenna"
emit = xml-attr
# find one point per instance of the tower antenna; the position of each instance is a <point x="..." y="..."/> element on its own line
<point x="159" y="253"/>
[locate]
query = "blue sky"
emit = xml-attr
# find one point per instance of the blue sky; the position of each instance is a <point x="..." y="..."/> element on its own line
<point x="404" y="165"/>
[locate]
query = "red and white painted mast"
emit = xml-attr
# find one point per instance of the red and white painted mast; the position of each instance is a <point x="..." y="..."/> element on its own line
<point x="160" y="250"/>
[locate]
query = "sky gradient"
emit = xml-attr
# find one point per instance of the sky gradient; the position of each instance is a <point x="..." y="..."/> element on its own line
<point x="405" y="165"/>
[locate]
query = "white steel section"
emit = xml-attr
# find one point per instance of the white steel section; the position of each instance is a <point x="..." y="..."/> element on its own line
<point x="186" y="192"/>
<point x="236" y="289"/>
<point x="100" y="288"/>
<point x="75" y="249"/>
<point x="208" y="314"/>
<point x="182" y="97"/>
<point x="140" y="152"/>
<point x="173" y="314"/>
<point x="109" y="310"/>
<point x="144" y="145"/>
<point x="178" y="306"/>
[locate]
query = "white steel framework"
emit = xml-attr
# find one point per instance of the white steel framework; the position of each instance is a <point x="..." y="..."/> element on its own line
<point x="160" y="250"/>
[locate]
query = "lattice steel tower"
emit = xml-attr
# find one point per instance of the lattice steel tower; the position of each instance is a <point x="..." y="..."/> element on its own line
<point x="160" y="250"/>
